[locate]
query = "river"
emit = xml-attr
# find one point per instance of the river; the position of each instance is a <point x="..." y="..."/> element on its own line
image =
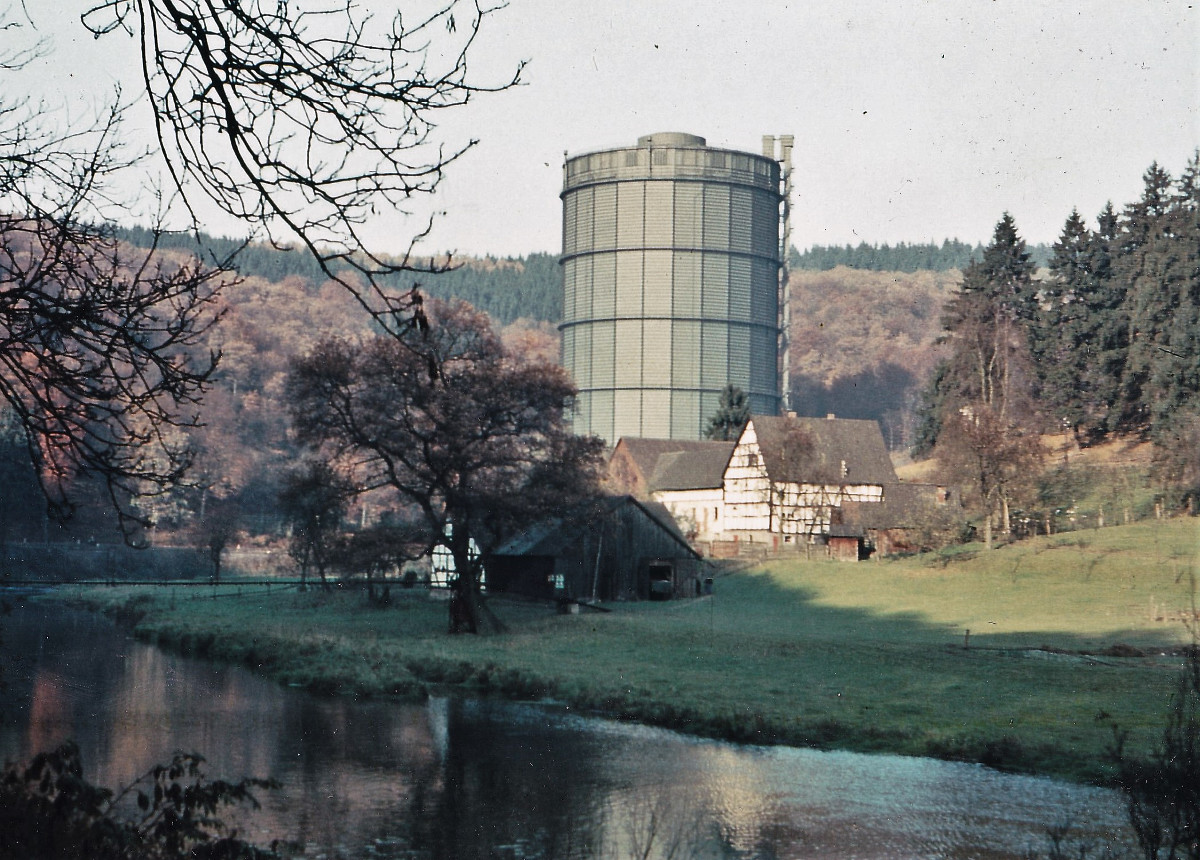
<point x="470" y="778"/>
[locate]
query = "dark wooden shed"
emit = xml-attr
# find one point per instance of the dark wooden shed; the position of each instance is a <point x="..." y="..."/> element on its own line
<point x="613" y="548"/>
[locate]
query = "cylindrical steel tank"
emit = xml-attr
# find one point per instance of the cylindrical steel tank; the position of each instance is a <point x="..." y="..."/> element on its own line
<point x="671" y="284"/>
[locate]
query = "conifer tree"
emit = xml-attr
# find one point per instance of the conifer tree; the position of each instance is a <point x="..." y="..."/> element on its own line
<point x="987" y="321"/>
<point x="986" y="423"/>
<point x="733" y="411"/>
<point x="1155" y="265"/>
<point x="1106" y="339"/>
<point x="1059" y="324"/>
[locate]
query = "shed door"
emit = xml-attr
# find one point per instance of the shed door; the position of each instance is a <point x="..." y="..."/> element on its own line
<point x="662" y="585"/>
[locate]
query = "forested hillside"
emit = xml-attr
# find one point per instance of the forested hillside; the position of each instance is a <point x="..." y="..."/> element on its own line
<point x="508" y="289"/>
<point x="862" y="339"/>
<point x="1103" y="339"/>
<point x="1104" y="345"/>
<point x="864" y="343"/>
<point x="904" y="257"/>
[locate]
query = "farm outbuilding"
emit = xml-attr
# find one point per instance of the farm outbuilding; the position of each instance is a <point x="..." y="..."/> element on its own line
<point x="614" y="548"/>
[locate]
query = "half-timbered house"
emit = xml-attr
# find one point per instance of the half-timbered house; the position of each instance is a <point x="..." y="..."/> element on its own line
<point x="789" y="477"/>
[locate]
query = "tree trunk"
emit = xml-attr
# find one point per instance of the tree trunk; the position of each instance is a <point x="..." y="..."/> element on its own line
<point x="464" y="605"/>
<point x="468" y="611"/>
<point x="987" y="529"/>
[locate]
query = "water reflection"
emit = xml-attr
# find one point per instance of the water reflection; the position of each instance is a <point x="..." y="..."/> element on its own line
<point x="469" y="778"/>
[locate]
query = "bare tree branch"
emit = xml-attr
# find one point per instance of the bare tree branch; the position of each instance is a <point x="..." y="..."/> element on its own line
<point x="305" y="123"/>
<point x="101" y="355"/>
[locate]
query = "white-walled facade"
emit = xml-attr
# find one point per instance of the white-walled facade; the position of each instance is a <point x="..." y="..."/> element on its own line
<point x="699" y="513"/>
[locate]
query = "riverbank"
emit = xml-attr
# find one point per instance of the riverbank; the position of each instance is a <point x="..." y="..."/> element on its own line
<point x="1069" y="636"/>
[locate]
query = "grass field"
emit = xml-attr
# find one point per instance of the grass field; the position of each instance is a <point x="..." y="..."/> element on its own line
<point x="1069" y="636"/>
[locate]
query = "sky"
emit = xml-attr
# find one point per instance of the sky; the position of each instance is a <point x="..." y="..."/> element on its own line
<point x="914" y="120"/>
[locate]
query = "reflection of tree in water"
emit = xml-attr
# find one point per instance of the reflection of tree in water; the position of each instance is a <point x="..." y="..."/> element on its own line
<point x="505" y="790"/>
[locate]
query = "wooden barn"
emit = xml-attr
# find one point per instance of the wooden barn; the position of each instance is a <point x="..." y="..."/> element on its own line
<point x="613" y="548"/>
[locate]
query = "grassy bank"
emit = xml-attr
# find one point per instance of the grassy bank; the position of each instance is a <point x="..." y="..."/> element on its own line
<point x="1069" y="635"/>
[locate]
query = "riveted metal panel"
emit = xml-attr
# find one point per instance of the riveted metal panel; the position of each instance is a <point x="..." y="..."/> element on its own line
<point x="656" y="299"/>
<point x="656" y="353"/>
<point x="685" y="284"/>
<point x="628" y="354"/>
<point x="656" y="414"/>
<point x="685" y="354"/>
<point x="631" y="214"/>
<point x="630" y="283"/>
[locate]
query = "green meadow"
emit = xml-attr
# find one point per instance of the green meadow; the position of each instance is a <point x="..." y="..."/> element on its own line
<point x="1070" y="636"/>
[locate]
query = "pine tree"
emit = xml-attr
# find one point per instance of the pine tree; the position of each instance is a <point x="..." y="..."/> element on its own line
<point x="1059" y="323"/>
<point x="987" y="418"/>
<point x="987" y="321"/>
<point x="1156" y="275"/>
<point x="1105" y="339"/>
<point x="733" y="411"/>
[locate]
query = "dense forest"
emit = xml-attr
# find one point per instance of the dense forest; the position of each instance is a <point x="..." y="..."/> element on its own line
<point x="530" y="287"/>
<point x="507" y="288"/>
<point x="930" y="256"/>
<point x="864" y="343"/>
<point x="1106" y="341"/>
<point x="1105" y="345"/>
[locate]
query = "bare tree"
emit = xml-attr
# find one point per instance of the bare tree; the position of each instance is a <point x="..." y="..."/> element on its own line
<point x="994" y="459"/>
<point x="1163" y="789"/>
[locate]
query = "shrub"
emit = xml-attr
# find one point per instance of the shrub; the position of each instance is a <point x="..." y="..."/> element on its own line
<point x="48" y="810"/>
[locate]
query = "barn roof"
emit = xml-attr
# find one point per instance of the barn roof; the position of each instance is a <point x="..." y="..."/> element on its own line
<point x="814" y="449"/>
<point x="902" y="507"/>
<point x="551" y="537"/>
<point x="694" y="468"/>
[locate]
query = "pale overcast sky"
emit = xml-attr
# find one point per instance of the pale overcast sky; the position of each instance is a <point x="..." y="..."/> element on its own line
<point x="913" y="119"/>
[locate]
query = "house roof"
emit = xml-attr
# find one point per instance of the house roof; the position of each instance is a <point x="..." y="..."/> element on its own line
<point x="646" y="453"/>
<point x="550" y="537"/>
<point x="694" y="468"/>
<point x="814" y="449"/>
<point x="901" y="507"/>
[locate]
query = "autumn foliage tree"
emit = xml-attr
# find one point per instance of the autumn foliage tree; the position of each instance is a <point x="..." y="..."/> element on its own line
<point x="472" y="439"/>
<point x="993" y="459"/>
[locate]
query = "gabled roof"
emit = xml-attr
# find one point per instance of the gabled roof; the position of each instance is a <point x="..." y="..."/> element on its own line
<point x="551" y="537"/>
<point x="645" y="453"/>
<point x="814" y="449"/>
<point x="696" y="468"/>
